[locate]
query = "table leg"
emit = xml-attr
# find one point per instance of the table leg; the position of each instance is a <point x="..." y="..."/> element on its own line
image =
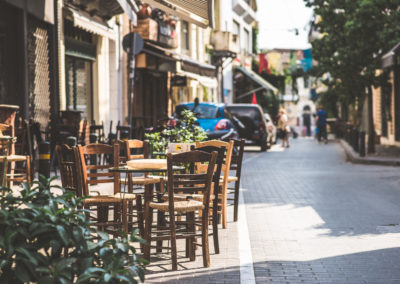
<point x="148" y="194"/>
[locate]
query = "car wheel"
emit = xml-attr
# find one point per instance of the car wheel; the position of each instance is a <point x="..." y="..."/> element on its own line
<point x="263" y="142"/>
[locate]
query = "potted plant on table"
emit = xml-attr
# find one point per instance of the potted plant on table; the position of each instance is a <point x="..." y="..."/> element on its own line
<point x="178" y="138"/>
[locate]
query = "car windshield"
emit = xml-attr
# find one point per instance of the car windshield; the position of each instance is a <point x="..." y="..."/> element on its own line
<point x="206" y="111"/>
<point x="253" y="113"/>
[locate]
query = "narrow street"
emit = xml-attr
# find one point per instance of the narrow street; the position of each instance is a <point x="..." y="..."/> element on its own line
<point x="312" y="217"/>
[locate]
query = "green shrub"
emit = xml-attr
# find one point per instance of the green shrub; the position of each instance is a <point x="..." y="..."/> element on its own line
<point x="186" y="131"/>
<point x="46" y="238"/>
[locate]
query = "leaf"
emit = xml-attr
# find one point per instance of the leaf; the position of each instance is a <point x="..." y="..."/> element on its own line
<point x="28" y="254"/>
<point x="63" y="234"/>
<point x="22" y="273"/>
<point x="46" y="280"/>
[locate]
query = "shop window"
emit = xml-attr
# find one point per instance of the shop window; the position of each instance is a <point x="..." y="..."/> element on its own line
<point x="247" y="41"/>
<point x="79" y="85"/>
<point x="185" y="36"/>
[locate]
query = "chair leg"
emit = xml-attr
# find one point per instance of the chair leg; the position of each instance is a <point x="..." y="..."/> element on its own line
<point x="160" y="223"/>
<point x="173" y="241"/>
<point x="236" y="202"/>
<point x="215" y="225"/>
<point x="224" y="217"/>
<point x="191" y="242"/>
<point x="204" y="239"/>
<point x="124" y="216"/>
<point x="140" y="217"/>
<point x="28" y="169"/>
<point x="147" y="234"/>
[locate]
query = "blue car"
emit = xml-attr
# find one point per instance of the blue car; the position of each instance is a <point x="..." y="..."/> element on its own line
<point x="213" y="118"/>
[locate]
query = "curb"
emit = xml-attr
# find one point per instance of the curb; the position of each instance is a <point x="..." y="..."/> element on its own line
<point x="356" y="159"/>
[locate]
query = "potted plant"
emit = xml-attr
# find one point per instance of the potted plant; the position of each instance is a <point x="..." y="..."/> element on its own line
<point x="178" y="138"/>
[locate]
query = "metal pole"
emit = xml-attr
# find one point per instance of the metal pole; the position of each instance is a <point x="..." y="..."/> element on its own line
<point x="131" y="79"/>
<point x="44" y="159"/>
<point x="362" y="144"/>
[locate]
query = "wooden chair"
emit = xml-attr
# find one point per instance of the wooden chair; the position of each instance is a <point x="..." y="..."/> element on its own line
<point x="71" y="180"/>
<point x="17" y="167"/>
<point x="123" y="129"/>
<point x="137" y="149"/>
<point x="68" y="166"/>
<point x="236" y="167"/>
<point x="96" y="171"/>
<point x="187" y="183"/>
<point x="202" y="168"/>
<point x="82" y="134"/>
<point x="224" y="178"/>
<point x="99" y="130"/>
<point x="216" y="188"/>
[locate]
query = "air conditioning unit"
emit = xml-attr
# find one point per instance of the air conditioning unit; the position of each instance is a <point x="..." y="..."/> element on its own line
<point x="225" y="41"/>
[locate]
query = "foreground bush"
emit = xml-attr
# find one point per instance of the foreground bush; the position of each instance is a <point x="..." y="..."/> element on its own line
<point x="46" y="238"/>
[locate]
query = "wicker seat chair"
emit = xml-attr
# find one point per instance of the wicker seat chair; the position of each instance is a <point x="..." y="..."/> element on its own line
<point x="236" y="168"/>
<point x="177" y="228"/>
<point x="222" y="197"/>
<point x="94" y="161"/>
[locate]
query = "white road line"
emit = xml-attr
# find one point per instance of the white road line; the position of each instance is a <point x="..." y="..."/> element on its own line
<point x="245" y="255"/>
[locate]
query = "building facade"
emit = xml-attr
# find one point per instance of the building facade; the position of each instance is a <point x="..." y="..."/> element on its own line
<point x="236" y="17"/>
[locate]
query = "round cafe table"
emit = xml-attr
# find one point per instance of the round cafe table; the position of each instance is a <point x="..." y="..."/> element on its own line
<point x="148" y="190"/>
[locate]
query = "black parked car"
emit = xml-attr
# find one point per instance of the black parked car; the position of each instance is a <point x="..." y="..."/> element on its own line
<point x="252" y="126"/>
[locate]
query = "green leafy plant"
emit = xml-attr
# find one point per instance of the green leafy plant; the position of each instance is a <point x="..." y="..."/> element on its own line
<point x="46" y="238"/>
<point x="186" y="131"/>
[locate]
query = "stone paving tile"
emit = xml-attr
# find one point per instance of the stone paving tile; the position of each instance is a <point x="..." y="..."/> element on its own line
<point x="224" y="266"/>
<point x="314" y="217"/>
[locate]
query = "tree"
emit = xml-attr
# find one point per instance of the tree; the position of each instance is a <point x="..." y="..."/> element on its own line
<point x="355" y="35"/>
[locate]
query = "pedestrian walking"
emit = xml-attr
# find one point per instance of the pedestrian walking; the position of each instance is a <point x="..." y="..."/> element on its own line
<point x="284" y="127"/>
<point x="307" y="122"/>
<point x="321" y="124"/>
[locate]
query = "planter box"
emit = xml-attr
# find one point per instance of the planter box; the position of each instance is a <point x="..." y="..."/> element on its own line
<point x="179" y="147"/>
<point x="147" y="29"/>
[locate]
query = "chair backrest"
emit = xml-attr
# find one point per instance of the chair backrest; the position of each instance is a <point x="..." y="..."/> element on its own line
<point x="229" y="148"/>
<point x="237" y="156"/>
<point x="137" y="149"/>
<point x="95" y="161"/>
<point x="83" y="128"/>
<point x="123" y="128"/>
<point x="201" y="167"/>
<point x="133" y="149"/>
<point x="99" y="130"/>
<point x="68" y="169"/>
<point x="190" y="182"/>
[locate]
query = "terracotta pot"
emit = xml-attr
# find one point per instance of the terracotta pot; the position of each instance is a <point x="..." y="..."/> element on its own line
<point x="144" y="12"/>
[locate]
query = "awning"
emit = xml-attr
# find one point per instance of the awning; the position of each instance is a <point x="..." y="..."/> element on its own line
<point x="193" y="66"/>
<point x="106" y="9"/>
<point x="187" y="64"/>
<point x="91" y="24"/>
<point x="198" y="12"/>
<point x="160" y="52"/>
<point x="209" y="82"/>
<point x="41" y="9"/>
<point x="389" y="59"/>
<point x="258" y="79"/>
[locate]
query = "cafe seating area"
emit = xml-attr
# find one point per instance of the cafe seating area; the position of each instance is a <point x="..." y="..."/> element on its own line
<point x="170" y="197"/>
<point x="177" y="198"/>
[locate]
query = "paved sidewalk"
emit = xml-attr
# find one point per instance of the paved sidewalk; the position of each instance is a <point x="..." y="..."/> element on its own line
<point x="387" y="156"/>
<point x="225" y="267"/>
